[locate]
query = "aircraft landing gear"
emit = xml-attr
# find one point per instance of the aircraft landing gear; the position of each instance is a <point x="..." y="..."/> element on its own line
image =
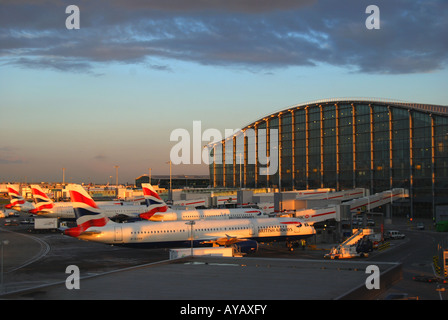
<point x="290" y="245"/>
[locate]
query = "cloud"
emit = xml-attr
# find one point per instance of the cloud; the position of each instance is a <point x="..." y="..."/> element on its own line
<point x="100" y="157"/>
<point x="160" y="67"/>
<point x="55" y="63"/>
<point x="256" y="35"/>
<point x="234" y="6"/>
<point x="11" y="161"/>
<point x="8" y="155"/>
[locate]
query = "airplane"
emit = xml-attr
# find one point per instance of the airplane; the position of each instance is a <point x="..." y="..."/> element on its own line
<point x="174" y="215"/>
<point x="112" y="209"/>
<point x="153" y="199"/>
<point x="93" y="225"/>
<point x="17" y="202"/>
<point x="44" y="206"/>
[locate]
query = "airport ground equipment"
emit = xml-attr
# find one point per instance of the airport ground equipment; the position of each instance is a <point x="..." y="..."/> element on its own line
<point x="442" y="226"/>
<point x="445" y="263"/>
<point x="429" y="279"/>
<point x="393" y="235"/>
<point x="210" y="251"/>
<point x="441" y="270"/>
<point x="358" y="245"/>
<point x="45" y="224"/>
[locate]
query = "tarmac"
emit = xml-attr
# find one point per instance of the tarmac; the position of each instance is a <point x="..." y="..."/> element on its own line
<point x="189" y="278"/>
<point x="212" y="278"/>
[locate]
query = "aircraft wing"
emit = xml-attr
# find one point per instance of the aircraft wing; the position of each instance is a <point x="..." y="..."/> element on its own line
<point x="125" y="217"/>
<point x="222" y="241"/>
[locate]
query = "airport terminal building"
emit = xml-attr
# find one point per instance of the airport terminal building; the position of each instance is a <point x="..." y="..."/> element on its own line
<point x="342" y="143"/>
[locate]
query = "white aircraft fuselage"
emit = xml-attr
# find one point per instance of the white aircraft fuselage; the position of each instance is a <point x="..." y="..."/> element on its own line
<point x="175" y="215"/>
<point x="205" y="232"/>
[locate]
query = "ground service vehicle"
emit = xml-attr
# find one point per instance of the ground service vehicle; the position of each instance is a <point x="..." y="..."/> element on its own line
<point x="393" y="234"/>
<point x="358" y="245"/>
<point x="45" y="224"/>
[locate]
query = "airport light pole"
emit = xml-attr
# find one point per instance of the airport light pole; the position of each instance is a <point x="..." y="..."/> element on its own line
<point x="171" y="191"/>
<point x="170" y="177"/>
<point x="116" y="175"/>
<point x="191" y="223"/>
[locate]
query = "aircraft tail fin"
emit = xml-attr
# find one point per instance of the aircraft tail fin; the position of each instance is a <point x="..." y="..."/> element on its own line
<point x="41" y="199"/>
<point x="15" y="198"/>
<point x="153" y="201"/>
<point x="87" y="213"/>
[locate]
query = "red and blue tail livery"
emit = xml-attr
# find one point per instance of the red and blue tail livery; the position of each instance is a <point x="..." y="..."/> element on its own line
<point x="86" y="211"/>
<point x="41" y="199"/>
<point x="17" y="202"/>
<point x="15" y="198"/>
<point x="153" y="201"/>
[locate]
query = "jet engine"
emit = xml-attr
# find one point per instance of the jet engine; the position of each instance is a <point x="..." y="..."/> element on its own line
<point x="246" y="246"/>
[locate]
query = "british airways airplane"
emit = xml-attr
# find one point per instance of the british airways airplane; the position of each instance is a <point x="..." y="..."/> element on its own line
<point x="17" y="202"/>
<point x="93" y="225"/>
<point x="174" y="215"/>
<point x="113" y="209"/>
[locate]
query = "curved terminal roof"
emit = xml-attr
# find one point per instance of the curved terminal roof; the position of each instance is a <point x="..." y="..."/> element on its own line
<point x="428" y="108"/>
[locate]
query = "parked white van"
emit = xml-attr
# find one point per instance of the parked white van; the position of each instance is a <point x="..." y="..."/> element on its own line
<point x="393" y="234"/>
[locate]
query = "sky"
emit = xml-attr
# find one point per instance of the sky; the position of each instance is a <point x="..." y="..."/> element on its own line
<point x="111" y="92"/>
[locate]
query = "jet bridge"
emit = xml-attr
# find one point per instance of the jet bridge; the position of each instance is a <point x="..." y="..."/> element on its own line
<point x="361" y="204"/>
<point x="290" y="201"/>
<point x="343" y="195"/>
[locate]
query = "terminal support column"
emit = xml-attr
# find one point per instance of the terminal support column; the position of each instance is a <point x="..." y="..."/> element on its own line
<point x="337" y="145"/>
<point x="256" y="155"/>
<point x="321" y="146"/>
<point x="293" y="146"/>
<point x="411" y="163"/>
<point x="246" y="156"/>
<point x="279" y="169"/>
<point x="354" y="144"/>
<point x="307" y="151"/>
<point x="268" y="151"/>
<point x="390" y="148"/>
<point x="433" y="174"/>
<point x="372" y="164"/>
<point x="223" y="161"/>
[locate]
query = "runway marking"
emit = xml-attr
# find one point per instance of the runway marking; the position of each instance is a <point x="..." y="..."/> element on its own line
<point x="44" y="249"/>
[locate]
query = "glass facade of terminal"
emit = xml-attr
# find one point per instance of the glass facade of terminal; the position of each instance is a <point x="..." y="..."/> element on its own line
<point x="343" y="144"/>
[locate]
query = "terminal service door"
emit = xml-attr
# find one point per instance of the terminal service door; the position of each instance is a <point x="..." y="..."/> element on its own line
<point x="251" y="230"/>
